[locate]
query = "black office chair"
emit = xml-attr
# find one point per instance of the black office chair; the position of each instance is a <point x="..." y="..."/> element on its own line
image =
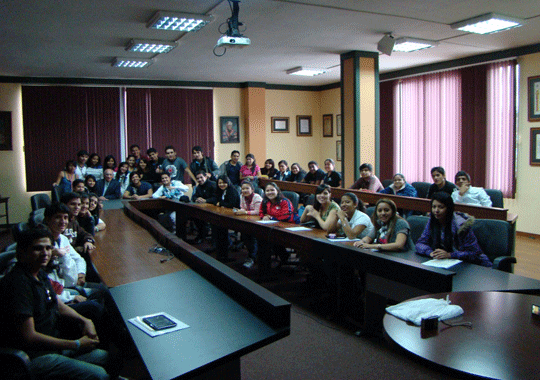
<point x="422" y="188"/>
<point x="293" y="197"/>
<point x="15" y="364"/>
<point x="259" y="191"/>
<point x="36" y="217"/>
<point x="310" y="200"/>
<point x="387" y="182"/>
<point x="496" y="196"/>
<point x="56" y="194"/>
<point x="494" y="237"/>
<point x="418" y="225"/>
<point x="41" y="200"/>
<point x="370" y="210"/>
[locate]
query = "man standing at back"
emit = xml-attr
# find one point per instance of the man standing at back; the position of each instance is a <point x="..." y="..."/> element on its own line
<point x="31" y="315"/>
<point x="200" y="162"/>
<point x="174" y="165"/>
<point x="232" y="168"/>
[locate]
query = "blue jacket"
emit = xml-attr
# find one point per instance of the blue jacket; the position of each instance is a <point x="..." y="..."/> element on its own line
<point x="113" y="191"/>
<point x="407" y="191"/>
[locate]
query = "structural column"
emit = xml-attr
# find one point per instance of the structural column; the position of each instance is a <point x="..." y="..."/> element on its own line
<point x="254" y="107"/>
<point x="360" y="112"/>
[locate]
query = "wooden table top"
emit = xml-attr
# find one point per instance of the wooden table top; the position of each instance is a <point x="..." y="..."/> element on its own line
<point x="114" y="265"/>
<point x="502" y="344"/>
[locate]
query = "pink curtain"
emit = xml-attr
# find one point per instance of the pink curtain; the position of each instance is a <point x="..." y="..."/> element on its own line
<point x="501" y="127"/>
<point x="429" y="120"/>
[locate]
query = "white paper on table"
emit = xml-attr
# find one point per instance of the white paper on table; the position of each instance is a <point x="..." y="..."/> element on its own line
<point x="138" y="322"/>
<point x="442" y="263"/>
<point x="267" y="221"/>
<point x="343" y="240"/>
<point x="301" y="228"/>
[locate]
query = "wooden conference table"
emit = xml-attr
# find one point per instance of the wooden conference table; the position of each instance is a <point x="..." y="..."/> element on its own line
<point x="228" y="314"/>
<point x="394" y="276"/>
<point x="502" y="343"/>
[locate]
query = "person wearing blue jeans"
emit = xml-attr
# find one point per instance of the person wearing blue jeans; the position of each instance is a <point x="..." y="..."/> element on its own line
<point x="31" y="317"/>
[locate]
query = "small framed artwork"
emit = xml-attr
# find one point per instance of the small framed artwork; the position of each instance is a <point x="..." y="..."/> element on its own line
<point x="280" y="125"/>
<point x="328" y="125"/>
<point x="303" y="125"/>
<point x="338" y="150"/>
<point x="5" y="131"/>
<point x="229" y="129"/>
<point x="535" y="147"/>
<point x="338" y="125"/>
<point x="534" y="98"/>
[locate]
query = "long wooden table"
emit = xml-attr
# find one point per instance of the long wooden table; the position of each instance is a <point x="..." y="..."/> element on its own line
<point x="406" y="203"/>
<point x="228" y="314"/>
<point x="395" y="276"/>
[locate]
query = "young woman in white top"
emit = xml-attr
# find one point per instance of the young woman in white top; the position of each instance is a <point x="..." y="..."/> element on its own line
<point x="250" y="203"/>
<point x="352" y="219"/>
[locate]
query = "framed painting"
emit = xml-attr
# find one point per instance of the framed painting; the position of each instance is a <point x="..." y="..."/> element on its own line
<point x="338" y="125"/>
<point x="280" y="125"/>
<point x="328" y="125"/>
<point x="535" y="147"/>
<point x="534" y="98"/>
<point x="5" y="131"/>
<point x="229" y="129"/>
<point x="338" y="150"/>
<point x="303" y="125"/>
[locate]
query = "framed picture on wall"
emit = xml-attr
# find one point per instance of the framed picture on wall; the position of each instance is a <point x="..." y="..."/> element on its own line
<point x="328" y="125"/>
<point x="534" y="98"/>
<point x="338" y="125"/>
<point x="280" y="125"/>
<point x="535" y="147"/>
<point x="229" y="129"/>
<point x="338" y="150"/>
<point x="303" y="125"/>
<point x="5" y="131"/>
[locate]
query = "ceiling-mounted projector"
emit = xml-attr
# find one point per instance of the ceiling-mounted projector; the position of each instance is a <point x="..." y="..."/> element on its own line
<point x="233" y="42"/>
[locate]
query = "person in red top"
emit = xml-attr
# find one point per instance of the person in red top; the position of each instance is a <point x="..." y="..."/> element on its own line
<point x="276" y="207"/>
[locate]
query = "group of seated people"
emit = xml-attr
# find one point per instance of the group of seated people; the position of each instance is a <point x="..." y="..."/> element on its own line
<point x="50" y="308"/>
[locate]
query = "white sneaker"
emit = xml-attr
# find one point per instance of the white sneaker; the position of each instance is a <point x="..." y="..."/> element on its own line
<point x="249" y="263"/>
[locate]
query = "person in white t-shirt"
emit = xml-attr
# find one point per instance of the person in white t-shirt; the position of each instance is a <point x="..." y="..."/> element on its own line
<point x="465" y="193"/>
<point x="353" y="222"/>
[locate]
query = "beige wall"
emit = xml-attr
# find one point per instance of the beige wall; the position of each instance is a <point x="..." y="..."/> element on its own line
<point x="526" y="204"/>
<point x="12" y="173"/>
<point x="228" y="102"/>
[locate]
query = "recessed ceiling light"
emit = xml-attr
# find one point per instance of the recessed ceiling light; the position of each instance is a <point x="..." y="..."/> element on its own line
<point x="137" y="63"/>
<point x="488" y="23"/>
<point x="306" y="71"/>
<point x="181" y="22"/>
<point x="150" y="46"/>
<point x="408" y="44"/>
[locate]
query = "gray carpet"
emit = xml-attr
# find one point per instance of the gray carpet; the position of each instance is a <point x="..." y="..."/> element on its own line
<point x="318" y="349"/>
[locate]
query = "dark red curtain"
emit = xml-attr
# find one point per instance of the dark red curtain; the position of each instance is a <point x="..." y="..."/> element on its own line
<point x="58" y="121"/>
<point x="183" y="118"/>
<point x="386" y="134"/>
<point x="473" y="117"/>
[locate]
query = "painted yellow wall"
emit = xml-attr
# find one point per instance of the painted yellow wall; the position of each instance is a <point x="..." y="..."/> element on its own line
<point x="228" y="102"/>
<point x="526" y="204"/>
<point x="12" y="172"/>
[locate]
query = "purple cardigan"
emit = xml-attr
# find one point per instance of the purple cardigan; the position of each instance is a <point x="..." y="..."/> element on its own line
<point x="465" y="245"/>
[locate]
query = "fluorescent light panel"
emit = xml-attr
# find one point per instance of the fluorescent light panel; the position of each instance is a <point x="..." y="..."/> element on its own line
<point x="181" y="22"/>
<point x="488" y="23"/>
<point x="306" y="71"/>
<point x="408" y="44"/>
<point x="150" y="46"/>
<point x="136" y="63"/>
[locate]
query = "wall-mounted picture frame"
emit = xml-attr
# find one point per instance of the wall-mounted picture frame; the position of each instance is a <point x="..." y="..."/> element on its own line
<point x="534" y="98"/>
<point x="535" y="147"/>
<point x="280" y="125"/>
<point x="338" y="125"/>
<point x="303" y="125"/>
<point x="338" y="150"/>
<point x="229" y="129"/>
<point x="5" y="131"/>
<point x="328" y="125"/>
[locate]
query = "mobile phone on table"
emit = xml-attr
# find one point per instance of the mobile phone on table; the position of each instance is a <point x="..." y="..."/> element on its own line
<point x="159" y="322"/>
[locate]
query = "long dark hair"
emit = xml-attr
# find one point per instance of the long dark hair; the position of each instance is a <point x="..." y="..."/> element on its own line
<point x="360" y="206"/>
<point x="98" y="164"/>
<point x="254" y="162"/>
<point x="320" y="189"/>
<point x="265" y="200"/>
<point x="227" y="180"/>
<point x="393" y="220"/>
<point x="107" y="158"/>
<point x="272" y="171"/>
<point x="436" y="226"/>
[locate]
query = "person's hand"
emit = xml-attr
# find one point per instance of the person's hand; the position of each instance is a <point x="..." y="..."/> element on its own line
<point x="134" y="196"/>
<point x="341" y="214"/>
<point x="312" y="212"/>
<point x="464" y="188"/>
<point x="439" y="254"/>
<point x="102" y="198"/>
<point x="87" y="343"/>
<point x="81" y="279"/>
<point x="89" y="329"/>
<point x="78" y="299"/>
<point x="267" y="217"/>
<point x="89" y="247"/>
<point x="240" y="212"/>
<point x="56" y="252"/>
<point x="200" y="200"/>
